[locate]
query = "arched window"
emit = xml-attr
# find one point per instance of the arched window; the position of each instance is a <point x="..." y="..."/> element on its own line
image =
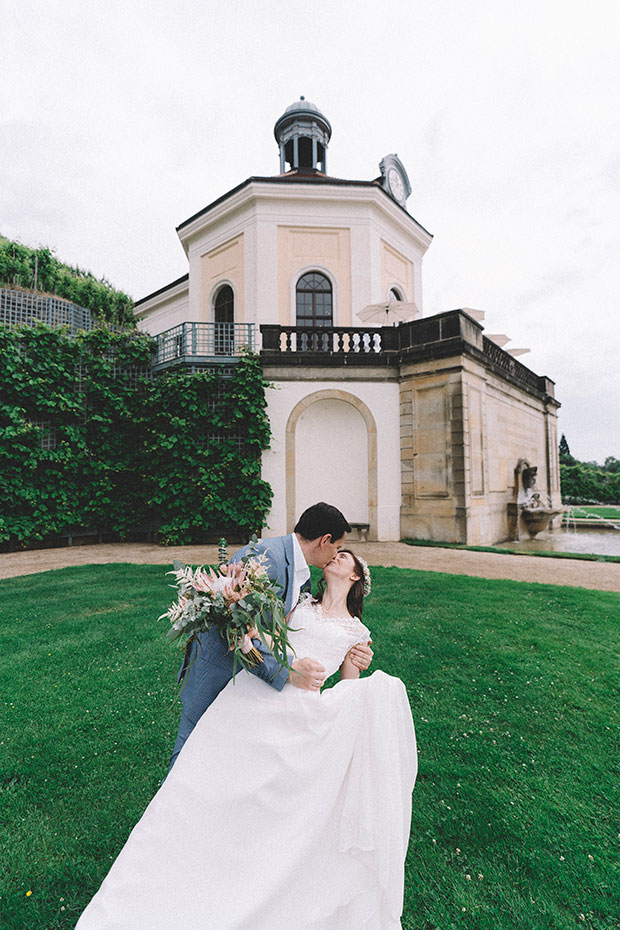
<point x="224" y="317"/>
<point x="314" y="308"/>
<point x="225" y="305"/>
<point x="394" y="294"/>
<point x="314" y="300"/>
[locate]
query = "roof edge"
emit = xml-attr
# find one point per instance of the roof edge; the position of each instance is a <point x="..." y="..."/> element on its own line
<point x="166" y="287"/>
<point x="325" y="180"/>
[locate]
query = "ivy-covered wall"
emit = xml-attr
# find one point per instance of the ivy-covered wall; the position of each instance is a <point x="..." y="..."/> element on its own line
<point x="91" y="440"/>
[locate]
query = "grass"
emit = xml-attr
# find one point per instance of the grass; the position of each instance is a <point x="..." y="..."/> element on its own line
<point x="502" y="550"/>
<point x="609" y="513"/>
<point x="514" y="689"/>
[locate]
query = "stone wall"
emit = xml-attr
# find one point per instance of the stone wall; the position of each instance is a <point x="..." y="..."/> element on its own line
<point x="432" y="453"/>
<point x="463" y="429"/>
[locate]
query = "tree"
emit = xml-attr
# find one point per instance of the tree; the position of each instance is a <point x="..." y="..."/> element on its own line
<point x="565" y="457"/>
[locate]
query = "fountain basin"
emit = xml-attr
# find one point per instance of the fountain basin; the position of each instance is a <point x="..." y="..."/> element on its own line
<point x="582" y="540"/>
<point x="537" y="519"/>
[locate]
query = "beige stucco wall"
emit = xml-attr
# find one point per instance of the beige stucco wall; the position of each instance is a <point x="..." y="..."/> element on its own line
<point x="396" y="270"/>
<point x="222" y="265"/>
<point x="313" y="248"/>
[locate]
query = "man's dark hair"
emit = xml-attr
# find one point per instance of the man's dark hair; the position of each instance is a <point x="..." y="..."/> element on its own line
<point x="322" y="520"/>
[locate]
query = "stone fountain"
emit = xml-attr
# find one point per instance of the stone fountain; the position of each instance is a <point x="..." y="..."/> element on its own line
<point x="529" y="505"/>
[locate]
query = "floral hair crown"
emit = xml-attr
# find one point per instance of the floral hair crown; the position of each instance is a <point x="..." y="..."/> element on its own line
<point x="367" y="584"/>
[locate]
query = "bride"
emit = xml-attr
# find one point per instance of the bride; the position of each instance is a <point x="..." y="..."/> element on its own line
<point x="283" y="810"/>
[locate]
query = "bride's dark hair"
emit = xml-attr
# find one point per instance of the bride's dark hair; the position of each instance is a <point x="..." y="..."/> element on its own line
<point x="355" y="597"/>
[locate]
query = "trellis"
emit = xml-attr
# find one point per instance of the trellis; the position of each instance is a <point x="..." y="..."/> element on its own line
<point x="19" y="308"/>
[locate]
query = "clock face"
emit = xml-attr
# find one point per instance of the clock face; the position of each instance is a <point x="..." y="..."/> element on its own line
<point x="396" y="184"/>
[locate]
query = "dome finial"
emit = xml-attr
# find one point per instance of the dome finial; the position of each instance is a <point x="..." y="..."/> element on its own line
<point x="303" y="134"/>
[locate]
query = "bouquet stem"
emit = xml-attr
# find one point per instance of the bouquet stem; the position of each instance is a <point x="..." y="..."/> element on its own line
<point x="253" y="657"/>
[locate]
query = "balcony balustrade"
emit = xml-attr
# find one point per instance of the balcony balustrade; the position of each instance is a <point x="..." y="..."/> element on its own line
<point x="202" y="344"/>
<point x="510" y="365"/>
<point x="441" y="336"/>
<point x="312" y="344"/>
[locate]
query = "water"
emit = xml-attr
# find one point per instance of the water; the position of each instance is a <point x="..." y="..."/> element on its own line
<point x="594" y="541"/>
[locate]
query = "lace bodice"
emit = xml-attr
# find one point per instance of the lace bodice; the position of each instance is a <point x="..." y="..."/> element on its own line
<point x="326" y="639"/>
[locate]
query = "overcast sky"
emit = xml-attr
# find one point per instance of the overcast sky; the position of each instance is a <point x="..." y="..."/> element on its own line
<point x="120" y="120"/>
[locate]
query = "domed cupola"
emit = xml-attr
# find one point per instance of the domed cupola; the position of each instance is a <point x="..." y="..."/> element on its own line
<point x="303" y="134"/>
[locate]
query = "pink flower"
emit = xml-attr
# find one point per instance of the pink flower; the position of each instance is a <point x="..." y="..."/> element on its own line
<point x="207" y="581"/>
<point x="237" y="571"/>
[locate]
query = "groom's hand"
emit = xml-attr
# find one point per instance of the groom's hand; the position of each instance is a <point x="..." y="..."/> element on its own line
<point x="361" y="655"/>
<point x="307" y="674"/>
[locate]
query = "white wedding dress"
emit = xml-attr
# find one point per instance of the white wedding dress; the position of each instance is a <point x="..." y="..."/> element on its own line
<point x="284" y="810"/>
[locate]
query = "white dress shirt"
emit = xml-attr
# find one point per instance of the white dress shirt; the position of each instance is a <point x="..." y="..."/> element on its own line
<point x="301" y="572"/>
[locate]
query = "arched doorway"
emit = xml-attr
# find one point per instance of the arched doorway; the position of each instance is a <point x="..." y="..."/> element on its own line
<point x="331" y="454"/>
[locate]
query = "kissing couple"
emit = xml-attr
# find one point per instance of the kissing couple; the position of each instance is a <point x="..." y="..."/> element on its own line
<point x="285" y="806"/>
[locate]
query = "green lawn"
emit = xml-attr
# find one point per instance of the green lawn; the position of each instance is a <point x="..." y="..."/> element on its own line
<point x="515" y="694"/>
<point x="610" y="513"/>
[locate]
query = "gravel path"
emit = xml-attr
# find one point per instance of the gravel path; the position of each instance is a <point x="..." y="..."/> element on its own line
<point x="603" y="576"/>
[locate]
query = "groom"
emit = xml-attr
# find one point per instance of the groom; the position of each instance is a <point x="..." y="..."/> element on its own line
<point x="319" y="533"/>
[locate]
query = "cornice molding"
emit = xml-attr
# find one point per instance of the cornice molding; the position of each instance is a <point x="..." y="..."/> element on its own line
<point x="256" y="191"/>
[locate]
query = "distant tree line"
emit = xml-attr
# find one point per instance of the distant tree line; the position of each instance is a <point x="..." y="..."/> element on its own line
<point x="39" y="270"/>
<point x="588" y="482"/>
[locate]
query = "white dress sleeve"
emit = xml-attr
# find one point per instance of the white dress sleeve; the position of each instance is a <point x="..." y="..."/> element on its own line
<point x="356" y="629"/>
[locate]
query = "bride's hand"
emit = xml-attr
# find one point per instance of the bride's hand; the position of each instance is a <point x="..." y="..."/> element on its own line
<point x="307" y="674"/>
<point x="361" y="655"/>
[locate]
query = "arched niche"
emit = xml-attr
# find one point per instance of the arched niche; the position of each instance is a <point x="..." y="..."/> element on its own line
<point x="332" y="461"/>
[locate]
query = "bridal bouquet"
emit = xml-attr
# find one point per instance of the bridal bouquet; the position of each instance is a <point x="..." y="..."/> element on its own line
<point x="235" y="598"/>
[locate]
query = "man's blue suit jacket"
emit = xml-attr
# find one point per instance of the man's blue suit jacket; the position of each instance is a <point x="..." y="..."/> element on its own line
<point x="211" y="664"/>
